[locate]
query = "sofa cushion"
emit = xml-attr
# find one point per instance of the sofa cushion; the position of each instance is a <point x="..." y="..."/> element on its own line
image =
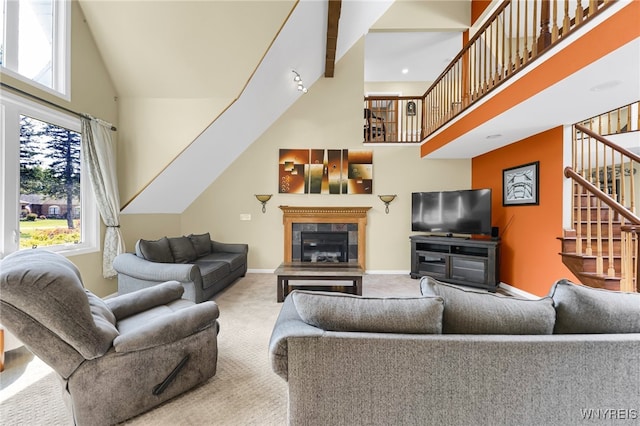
<point x="146" y="316"/>
<point x="182" y="250"/>
<point x="155" y="251"/>
<point x="343" y="312"/>
<point x="581" y="309"/>
<point x="235" y="260"/>
<point x="474" y="312"/>
<point x="201" y="243"/>
<point x="213" y="272"/>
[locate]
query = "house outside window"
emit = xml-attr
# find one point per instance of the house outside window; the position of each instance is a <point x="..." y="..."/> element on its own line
<point x="46" y="202"/>
<point x="35" y="43"/>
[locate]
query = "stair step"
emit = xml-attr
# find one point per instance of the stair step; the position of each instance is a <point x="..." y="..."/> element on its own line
<point x="585" y="267"/>
<point x="590" y="263"/>
<point x="599" y="281"/>
<point x="592" y="212"/>
<point x="569" y="245"/>
<point x="604" y="230"/>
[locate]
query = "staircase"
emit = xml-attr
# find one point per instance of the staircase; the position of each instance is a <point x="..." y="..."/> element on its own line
<point x="588" y="257"/>
<point x="601" y="249"/>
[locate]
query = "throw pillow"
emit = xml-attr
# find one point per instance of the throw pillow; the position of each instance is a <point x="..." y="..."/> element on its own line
<point x="155" y="251"/>
<point x="182" y="249"/>
<point x="581" y="309"/>
<point x="343" y="312"/>
<point x="202" y="243"/>
<point x="474" y="312"/>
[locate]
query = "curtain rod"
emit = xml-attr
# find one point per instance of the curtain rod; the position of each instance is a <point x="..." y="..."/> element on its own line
<point x="39" y="99"/>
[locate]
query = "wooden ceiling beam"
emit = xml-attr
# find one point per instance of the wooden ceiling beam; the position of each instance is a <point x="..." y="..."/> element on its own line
<point x="333" y="16"/>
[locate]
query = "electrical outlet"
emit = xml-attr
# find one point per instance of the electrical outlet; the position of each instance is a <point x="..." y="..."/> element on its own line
<point x="245" y="216"/>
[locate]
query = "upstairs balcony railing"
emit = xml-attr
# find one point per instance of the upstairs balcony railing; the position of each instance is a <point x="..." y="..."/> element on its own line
<point x="620" y="120"/>
<point x="515" y="35"/>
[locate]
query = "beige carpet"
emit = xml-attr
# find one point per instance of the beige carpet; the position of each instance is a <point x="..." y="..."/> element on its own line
<point x="245" y="391"/>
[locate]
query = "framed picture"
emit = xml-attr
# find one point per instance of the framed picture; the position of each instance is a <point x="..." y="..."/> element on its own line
<point x="325" y="171"/>
<point x="411" y="108"/>
<point x="520" y="185"/>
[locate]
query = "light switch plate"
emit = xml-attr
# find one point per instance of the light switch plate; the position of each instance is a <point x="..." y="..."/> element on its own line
<point x="245" y="216"/>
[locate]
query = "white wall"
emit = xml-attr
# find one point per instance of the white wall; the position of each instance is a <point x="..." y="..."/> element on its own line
<point x="328" y="117"/>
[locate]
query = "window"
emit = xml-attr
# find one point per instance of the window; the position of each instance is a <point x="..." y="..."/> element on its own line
<point x="34" y="42"/>
<point x="45" y="200"/>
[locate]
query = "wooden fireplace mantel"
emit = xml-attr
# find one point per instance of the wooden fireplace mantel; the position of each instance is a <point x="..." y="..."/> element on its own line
<point x="302" y="214"/>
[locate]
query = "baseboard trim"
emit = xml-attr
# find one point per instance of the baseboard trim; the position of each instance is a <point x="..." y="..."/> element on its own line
<point x="387" y="272"/>
<point x="518" y="292"/>
<point x="370" y="272"/>
<point x="504" y="286"/>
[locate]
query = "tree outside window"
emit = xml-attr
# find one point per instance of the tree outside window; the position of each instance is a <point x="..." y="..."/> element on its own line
<point x="49" y="184"/>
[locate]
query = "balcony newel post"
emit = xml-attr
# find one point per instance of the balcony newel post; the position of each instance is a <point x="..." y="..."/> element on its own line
<point x="466" y="74"/>
<point x="545" y="17"/>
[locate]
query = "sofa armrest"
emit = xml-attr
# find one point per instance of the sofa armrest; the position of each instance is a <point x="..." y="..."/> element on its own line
<point x="129" y="304"/>
<point x="229" y="247"/>
<point x="170" y="328"/>
<point x="289" y="324"/>
<point x="134" y="266"/>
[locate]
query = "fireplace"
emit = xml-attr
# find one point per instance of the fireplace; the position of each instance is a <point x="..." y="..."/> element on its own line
<point x="349" y="220"/>
<point x="324" y="246"/>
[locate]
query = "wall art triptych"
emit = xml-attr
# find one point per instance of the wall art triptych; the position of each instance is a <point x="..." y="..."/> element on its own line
<point x="325" y="171"/>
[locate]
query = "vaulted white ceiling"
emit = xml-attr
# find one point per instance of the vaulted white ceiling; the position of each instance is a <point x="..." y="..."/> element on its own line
<point x="243" y="51"/>
<point x="183" y="49"/>
<point x="238" y="52"/>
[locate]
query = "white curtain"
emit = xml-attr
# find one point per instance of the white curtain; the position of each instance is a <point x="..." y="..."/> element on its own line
<point x="98" y="156"/>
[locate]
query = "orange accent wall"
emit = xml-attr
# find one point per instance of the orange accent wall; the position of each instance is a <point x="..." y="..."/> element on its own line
<point x="529" y="246"/>
<point x="477" y="8"/>
<point x="598" y="42"/>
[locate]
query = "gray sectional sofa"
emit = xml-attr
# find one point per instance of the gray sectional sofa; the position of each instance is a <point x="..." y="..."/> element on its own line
<point x="458" y="357"/>
<point x="203" y="266"/>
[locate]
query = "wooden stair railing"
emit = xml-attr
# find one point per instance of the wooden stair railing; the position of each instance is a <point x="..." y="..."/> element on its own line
<point x="514" y="36"/>
<point x="602" y="249"/>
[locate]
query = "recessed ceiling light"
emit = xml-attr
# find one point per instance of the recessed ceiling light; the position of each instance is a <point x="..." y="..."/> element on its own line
<point x="605" y="86"/>
<point x="405" y="70"/>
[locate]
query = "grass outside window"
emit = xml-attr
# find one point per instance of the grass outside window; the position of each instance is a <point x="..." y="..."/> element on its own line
<point x="48" y="232"/>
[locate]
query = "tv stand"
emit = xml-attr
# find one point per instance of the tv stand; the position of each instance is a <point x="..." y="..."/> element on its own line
<point x="469" y="262"/>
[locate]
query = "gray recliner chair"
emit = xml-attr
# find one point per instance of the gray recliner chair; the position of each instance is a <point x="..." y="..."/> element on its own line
<point x="116" y="358"/>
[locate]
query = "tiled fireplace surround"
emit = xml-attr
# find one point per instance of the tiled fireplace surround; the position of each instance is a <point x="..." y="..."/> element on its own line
<point x="323" y="219"/>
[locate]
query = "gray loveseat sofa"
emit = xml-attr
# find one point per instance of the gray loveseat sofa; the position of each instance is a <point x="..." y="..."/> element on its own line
<point x="459" y="357"/>
<point x="203" y="266"/>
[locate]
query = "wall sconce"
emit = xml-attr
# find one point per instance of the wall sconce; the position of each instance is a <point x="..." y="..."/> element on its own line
<point x="298" y="80"/>
<point x="263" y="198"/>
<point x="387" y="199"/>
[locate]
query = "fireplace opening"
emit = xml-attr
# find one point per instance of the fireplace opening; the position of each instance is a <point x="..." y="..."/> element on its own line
<point x="324" y="246"/>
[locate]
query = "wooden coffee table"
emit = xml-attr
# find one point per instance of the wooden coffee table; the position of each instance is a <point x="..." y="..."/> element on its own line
<point x="310" y="271"/>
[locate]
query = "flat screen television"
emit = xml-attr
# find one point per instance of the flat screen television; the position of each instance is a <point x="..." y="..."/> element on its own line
<point x="452" y="212"/>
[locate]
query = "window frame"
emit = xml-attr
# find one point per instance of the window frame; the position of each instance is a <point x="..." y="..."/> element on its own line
<point x="61" y="54"/>
<point x="12" y="106"/>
